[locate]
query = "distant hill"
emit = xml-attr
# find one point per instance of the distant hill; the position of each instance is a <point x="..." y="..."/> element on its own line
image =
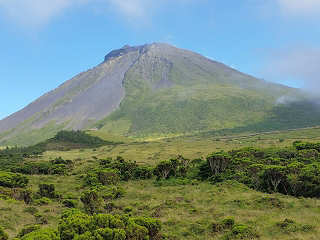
<point x="158" y="90"/>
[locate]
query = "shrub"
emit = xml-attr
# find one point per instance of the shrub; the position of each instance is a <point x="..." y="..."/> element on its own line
<point x="218" y="162"/>
<point x="70" y="203"/>
<point x="108" y="176"/>
<point x="304" y="146"/>
<point x="12" y="180"/>
<point x="27" y="196"/>
<point x="17" y="194"/>
<point x="57" y="166"/>
<point x="143" y="172"/>
<point x="177" y="167"/>
<point x="28" y="229"/>
<point x="76" y="225"/>
<point x="60" y="160"/>
<point x="127" y="169"/>
<point x="79" y="137"/>
<point x="113" y="192"/>
<point x="241" y="231"/>
<point x="47" y="190"/>
<point x="128" y="209"/>
<point x="163" y="170"/>
<point x="226" y="223"/>
<point x="272" y="176"/>
<point x="153" y="225"/>
<point x="92" y="201"/>
<point x="3" y="235"/>
<point x="290" y="226"/>
<point x="31" y="210"/>
<point x="42" y="201"/>
<point x="269" y="202"/>
<point x="40" y="219"/>
<point x="42" y="234"/>
<point x="102" y="177"/>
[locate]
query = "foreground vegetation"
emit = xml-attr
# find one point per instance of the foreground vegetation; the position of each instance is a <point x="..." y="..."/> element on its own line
<point x="90" y="192"/>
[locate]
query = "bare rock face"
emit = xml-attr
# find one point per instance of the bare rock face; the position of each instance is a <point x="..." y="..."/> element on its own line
<point x="86" y="98"/>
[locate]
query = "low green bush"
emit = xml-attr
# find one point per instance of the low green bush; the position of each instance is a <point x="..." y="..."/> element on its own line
<point x="77" y="225"/>
<point x="290" y="171"/>
<point x="290" y="226"/>
<point x="113" y="192"/>
<point x="70" y="203"/>
<point x="92" y="201"/>
<point x="28" y="229"/>
<point x="79" y="137"/>
<point x="3" y="235"/>
<point x="177" y="167"/>
<point x="101" y="177"/>
<point x="41" y="219"/>
<point x="48" y="191"/>
<point x="42" y="201"/>
<point x="57" y="166"/>
<point x="42" y="234"/>
<point x="127" y="169"/>
<point x="223" y="225"/>
<point x="31" y="210"/>
<point x="13" y="180"/>
<point x="241" y="231"/>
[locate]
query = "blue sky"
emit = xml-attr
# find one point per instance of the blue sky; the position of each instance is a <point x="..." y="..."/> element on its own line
<point x="46" y="42"/>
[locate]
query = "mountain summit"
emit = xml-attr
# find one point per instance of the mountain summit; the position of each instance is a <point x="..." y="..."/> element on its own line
<point x="155" y="90"/>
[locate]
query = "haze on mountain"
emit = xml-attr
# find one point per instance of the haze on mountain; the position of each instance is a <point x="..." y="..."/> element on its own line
<point x="158" y="90"/>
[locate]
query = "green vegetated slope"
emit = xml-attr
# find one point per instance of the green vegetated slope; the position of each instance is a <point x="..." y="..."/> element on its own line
<point x="156" y="91"/>
<point x="260" y="187"/>
<point x="184" y="93"/>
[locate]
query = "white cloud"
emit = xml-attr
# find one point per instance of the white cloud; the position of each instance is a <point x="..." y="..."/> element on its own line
<point x="40" y="12"/>
<point x="300" y="7"/>
<point x="299" y="63"/>
<point x="33" y="12"/>
<point x="132" y="8"/>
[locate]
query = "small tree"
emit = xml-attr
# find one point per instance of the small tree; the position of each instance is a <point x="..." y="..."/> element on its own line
<point x="163" y="169"/>
<point x="108" y="176"/>
<point x="92" y="201"/>
<point x="273" y="175"/>
<point x="27" y="196"/>
<point x="218" y="162"/>
<point x="47" y="190"/>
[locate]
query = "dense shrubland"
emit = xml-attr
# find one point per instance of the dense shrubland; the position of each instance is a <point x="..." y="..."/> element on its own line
<point x="291" y="171"/>
<point x="14" y="157"/>
<point x="127" y="170"/>
<point x="57" y="166"/>
<point x="80" y="137"/>
<point x="77" y="225"/>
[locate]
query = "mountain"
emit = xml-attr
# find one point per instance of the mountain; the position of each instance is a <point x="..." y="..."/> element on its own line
<point x="159" y="90"/>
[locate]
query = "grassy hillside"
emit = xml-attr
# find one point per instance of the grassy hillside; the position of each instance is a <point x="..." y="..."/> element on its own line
<point x="187" y="209"/>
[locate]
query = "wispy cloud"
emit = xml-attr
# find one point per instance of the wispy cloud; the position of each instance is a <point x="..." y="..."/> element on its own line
<point x="132" y="8"/>
<point x="299" y="63"/>
<point x="300" y="7"/>
<point x="36" y="13"/>
<point x="33" y="12"/>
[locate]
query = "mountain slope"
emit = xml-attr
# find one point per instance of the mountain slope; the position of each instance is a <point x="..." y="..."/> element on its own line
<point x="150" y="91"/>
